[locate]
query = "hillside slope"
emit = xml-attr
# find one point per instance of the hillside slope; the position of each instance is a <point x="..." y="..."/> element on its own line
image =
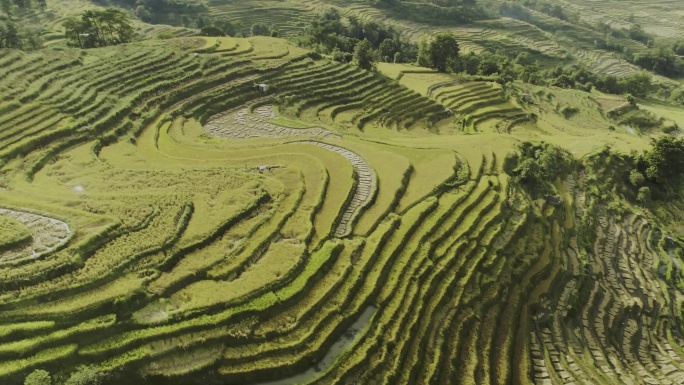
<point x="178" y="223"/>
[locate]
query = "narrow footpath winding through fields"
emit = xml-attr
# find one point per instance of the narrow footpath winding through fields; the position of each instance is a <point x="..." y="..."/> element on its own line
<point x="240" y="124"/>
<point x="366" y="188"/>
<point x="47" y="234"/>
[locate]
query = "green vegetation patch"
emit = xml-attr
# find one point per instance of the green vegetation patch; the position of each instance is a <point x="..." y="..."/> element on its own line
<point x="13" y="233"/>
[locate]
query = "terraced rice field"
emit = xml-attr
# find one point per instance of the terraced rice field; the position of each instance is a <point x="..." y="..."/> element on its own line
<point x="662" y="18"/>
<point x="478" y="103"/>
<point x="369" y="250"/>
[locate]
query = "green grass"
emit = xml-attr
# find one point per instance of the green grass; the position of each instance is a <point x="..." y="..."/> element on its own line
<point x="13" y="233"/>
<point x="288" y="122"/>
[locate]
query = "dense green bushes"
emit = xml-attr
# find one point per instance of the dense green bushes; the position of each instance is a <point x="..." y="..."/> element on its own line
<point x="160" y="11"/>
<point x="330" y="33"/>
<point x="538" y="165"/>
<point x="98" y="28"/>
<point x="38" y="377"/>
<point x="14" y="233"/>
<point x="655" y="174"/>
<point x="435" y="12"/>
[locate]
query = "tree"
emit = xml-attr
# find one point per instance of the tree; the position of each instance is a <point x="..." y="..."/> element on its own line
<point x="211" y="31"/>
<point x="537" y="164"/>
<point x="201" y="22"/>
<point x="665" y="162"/>
<point x="340" y="56"/>
<point x="12" y="39"/>
<point x="229" y="28"/>
<point x="610" y="84"/>
<point x="186" y="21"/>
<point x="143" y="13"/>
<point x="678" y="95"/>
<point x="488" y="66"/>
<point x="636" y="32"/>
<point x="636" y="178"/>
<point x="42" y="4"/>
<point x="259" y="29"/>
<point x="364" y="55"/>
<point x="33" y="39"/>
<point x="38" y="377"/>
<point x="470" y="63"/>
<point x="388" y="48"/>
<point x="638" y="85"/>
<point x="630" y="99"/>
<point x="7" y="7"/>
<point x="423" y="58"/>
<point x="273" y="31"/>
<point x="564" y="81"/>
<point x="530" y="73"/>
<point x="523" y="59"/>
<point x="444" y="51"/>
<point x="99" y="28"/>
<point x="85" y="375"/>
<point x="644" y="195"/>
<point x="663" y="167"/>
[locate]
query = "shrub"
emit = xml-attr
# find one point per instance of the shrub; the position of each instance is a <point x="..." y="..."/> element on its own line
<point x="211" y="31"/>
<point x="273" y="31"/>
<point x="165" y="35"/>
<point x="670" y="128"/>
<point x="38" y="377"/>
<point x="569" y="111"/>
<point x="636" y="178"/>
<point x="644" y="195"/>
<point x="85" y="375"/>
<point x="538" y="164"/>
<point x="260" y="29"/>
<point x="630" y="99"/>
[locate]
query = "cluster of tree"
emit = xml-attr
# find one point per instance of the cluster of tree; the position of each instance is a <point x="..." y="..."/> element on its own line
<point x="235" y="29"/>
<point x="521" y="11"/>
<point x="635" y="32"/>
<point x="444" y="12"/>
<point x="159" y="11"/>
<point x="549" y="8"/>
<point x="9" y="36"/>
<point x="655" y="174"/>
<point x="677" y="96"/>
<point x="664" y="61"/>
<point x="9" y="6"/>
<point x="99" y="28"/>
<point x="83" y="375"/>
<point x="522" y="67"/>
<point x="579" y="77"/>
<point x="262" y="29"/>
<point x="17" y="36"/>
<point x="218" y="28"/>
<point x="329" y="33"/>
<point x="13" y="36"/>
<point x="537" y="165"/>
<point x="440" y="52"/>
<point x="659" y="172"/>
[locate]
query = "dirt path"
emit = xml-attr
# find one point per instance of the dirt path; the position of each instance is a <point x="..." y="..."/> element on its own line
<point x="48" y="234"/>
<point x="240" y="124"/>
<point x="365" y="189"/>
